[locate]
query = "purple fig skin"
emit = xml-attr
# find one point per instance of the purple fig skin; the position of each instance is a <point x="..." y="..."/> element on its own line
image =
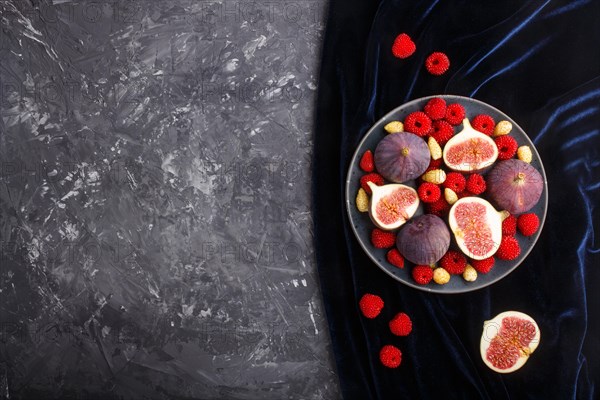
<point x="515" y="186"/>
<point x="424" y="240"/>
<point x="400" y="157"/>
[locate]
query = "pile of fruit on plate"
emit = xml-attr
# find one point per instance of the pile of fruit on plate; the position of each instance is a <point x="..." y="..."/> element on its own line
<point x="441" y="174"/>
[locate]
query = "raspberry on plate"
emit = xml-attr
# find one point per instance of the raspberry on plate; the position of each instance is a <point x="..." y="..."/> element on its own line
<point x="434" y="164"/>
<point x="528" y="224"/>
<point x="372" y="177"/>
<point x="435" y="108"/>
<point x="422" y="274"/>
<point x="509" y="248"/>
<point x="455" y="113"/>
<point x="455" y="181"/>
<point x="366" y="162"/>
<point x="483" y="266"/>
<point x="381" y="239"/>
<point x="507" y="147"/>
<point x="454" y="262"/>
<point x="476" y="184"/>
<point x="484" y="123"/>
<point x="439" y="208"/>
<point x="509" y="226"/>
<point x="395" y="258"/>
<point x="418" y="123"/>
<point x="429" y="192"/>
<point x="441" y="131"/>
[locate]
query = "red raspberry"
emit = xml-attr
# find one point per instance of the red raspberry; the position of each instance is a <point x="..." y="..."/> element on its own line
<point x="395" y="258"/>
<point x="382" y="239"/>
<point x="455" y="181"/>
<point x="370" y="305"/>
<point x="441" y="131"/>
<point x="422" y="274"/>
<point x="453" y="262"/>
<point x="464" y="193"/>
<point x="429" y="192"/>
<point x="435" y="108"/>
<point x="418" y="123"/>
<point x="439" y="208"/>
<point x="372" y="177"/>
<point x="476" y="184"/>
<point x="437" y="63"/>
<point x="509" y="248"/>
<point x="390" y="356"/>
<point x="455" y="113"/>
<point x="401" y="325"/>
<point x="484" y="123"/>
<point x="434" y="164"/>
<point x="507" y="147"/>
<point x="403" y="46"/>
<point x="509" y="226"/>
<point x="483" y="266"/>
<point x="528" y="224"/>
<point x="366" y="162"/>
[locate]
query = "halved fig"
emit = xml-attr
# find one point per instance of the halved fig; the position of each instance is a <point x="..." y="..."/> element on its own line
<point x="424" y="239"/>
<point x="470" y="150"/>
<point x="401" y="157"/>
<point x="508" y="340"/>
<point x="477" y="227"/>
<point x="392" y="205"/>
<point x="515" y="185"/>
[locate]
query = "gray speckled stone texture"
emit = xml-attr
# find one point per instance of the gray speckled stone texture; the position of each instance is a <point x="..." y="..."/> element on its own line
<point x="154" y="201"/>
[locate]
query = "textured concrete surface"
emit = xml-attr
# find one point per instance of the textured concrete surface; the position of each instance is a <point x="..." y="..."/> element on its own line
<point x="154" y="201"/>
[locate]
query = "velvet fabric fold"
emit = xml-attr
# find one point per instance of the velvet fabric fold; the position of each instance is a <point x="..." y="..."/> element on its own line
<point x="537" y="61"/>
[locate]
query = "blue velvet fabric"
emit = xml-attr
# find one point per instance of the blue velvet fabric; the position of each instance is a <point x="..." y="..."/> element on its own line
<point x="539" y="62"/>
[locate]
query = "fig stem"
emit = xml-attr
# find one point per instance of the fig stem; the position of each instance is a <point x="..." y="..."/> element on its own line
<point x="405" y="151"/>
<point x="520" y="177"/>
<point x="373" y="186"/>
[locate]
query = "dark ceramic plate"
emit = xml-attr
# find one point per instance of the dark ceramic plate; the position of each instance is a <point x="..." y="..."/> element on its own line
<point x="362" y="225"/>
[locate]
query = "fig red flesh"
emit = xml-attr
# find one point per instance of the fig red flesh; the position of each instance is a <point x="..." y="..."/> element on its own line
<point x="477" y="227"/>
<point x="472" y="151"/>
<point x="392" y="206"/>
<point x="479" y="236"/>
<point x="508" y="340"/>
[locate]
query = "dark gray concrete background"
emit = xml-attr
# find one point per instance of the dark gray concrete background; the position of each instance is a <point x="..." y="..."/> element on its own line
<point x="154" y="201"/>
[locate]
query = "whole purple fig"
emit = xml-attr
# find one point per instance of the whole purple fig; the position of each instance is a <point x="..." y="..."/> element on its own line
<point x="424" y="240"/>
<point x="515" y="186"/>
<point x="402" y="156"/>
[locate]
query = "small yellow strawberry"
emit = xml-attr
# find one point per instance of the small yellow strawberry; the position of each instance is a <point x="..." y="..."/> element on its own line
<point x="436" y="176"/>
<point x="470" y="273"/>
<point x="524" y="154"/>
<point x="394" y="127"/>
<point x="434" y="148"/>
<point x="502" y="128"/>
<point x="362" y="200"/>
<point x="441" y="276"/>
<point x="450" y="196"/>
